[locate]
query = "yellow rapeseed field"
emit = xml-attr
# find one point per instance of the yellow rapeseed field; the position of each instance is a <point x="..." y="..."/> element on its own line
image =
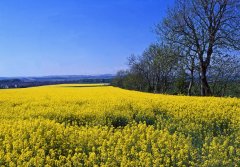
<point x="98" y="125"/>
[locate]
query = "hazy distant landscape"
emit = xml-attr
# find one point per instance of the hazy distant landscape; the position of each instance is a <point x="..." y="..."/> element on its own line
<point x="23" y="82"/>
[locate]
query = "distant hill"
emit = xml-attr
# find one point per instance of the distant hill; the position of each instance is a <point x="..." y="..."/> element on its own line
<point x="22" y="82"/>
<point x="60" y="78"/>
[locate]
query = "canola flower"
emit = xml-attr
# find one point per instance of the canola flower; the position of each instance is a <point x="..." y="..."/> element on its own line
<point x="97" y="125"/>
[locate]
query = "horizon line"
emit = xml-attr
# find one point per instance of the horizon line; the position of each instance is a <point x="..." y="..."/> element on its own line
<point x="58" y="75"/>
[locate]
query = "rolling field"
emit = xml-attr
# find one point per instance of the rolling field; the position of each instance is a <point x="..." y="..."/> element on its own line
<point x="97" y="125"/>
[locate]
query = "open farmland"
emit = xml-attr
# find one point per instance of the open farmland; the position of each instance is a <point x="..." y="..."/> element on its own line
<point x="97" y="125"/>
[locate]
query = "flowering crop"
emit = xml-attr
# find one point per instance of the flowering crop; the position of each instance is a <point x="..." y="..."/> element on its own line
<point x="96" y="125"/>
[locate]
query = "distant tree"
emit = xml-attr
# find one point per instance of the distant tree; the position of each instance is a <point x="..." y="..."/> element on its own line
<point x="153" y="71"/>
<point x="224" y="71"/>
<point x="180" y="81"/>
<point x="119" y="78"/>
<point x="141" y="69"/>
<point x="188" y="64"/>
<point x="167" y="62"/>
<point x="208" y="26"/>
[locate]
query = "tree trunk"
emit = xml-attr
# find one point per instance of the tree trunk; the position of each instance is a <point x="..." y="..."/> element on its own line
<point x="205" y="88"/>
<point x="224" y="90"/>
<point x="192" y="68"/>
<point x="190" y="84"/>
<point x="155" y="87"/>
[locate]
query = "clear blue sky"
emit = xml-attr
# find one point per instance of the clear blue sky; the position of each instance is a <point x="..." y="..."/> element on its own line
<point x="62" y="37"/>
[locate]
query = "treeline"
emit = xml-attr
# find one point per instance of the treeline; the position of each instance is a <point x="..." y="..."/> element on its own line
<point x="197" y="52"/>
<point x="161" y="69"/>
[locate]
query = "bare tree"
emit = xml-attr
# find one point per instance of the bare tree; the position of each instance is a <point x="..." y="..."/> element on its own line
<point x="208" y="26"/>
<point x="224" y="71"/>
<point x="190" y="62"/>
<point x="156" y="66"/>
<point x="141" y="67"/>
